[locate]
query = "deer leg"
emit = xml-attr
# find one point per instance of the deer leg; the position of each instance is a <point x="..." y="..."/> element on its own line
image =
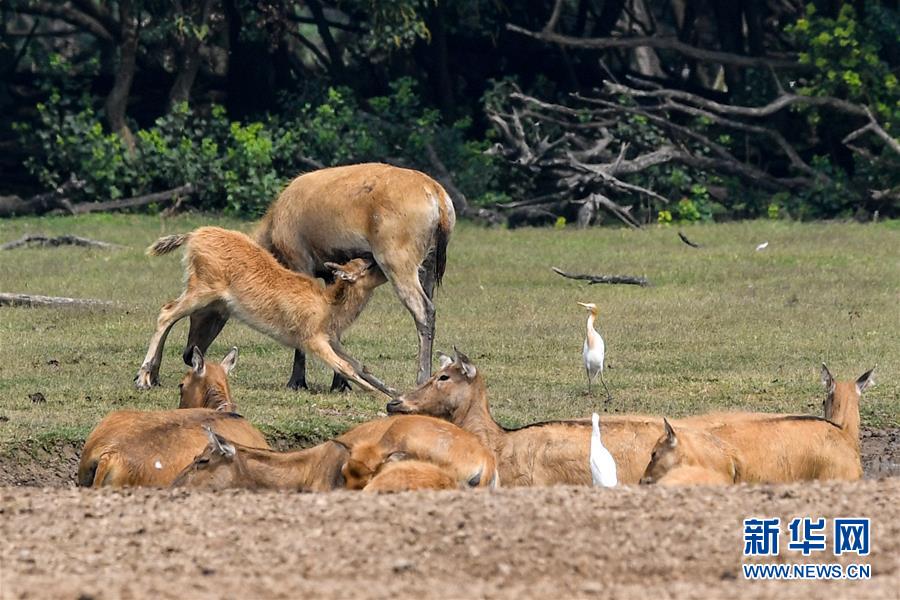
<point x="322" y="348"/>
<point x="339" y="383"/>
<point x="361" y="369"/>
<point x="298" y="372"/>
<point x="172" y="312"/>
<point x="205" y="327"/>
<point x="411" y="293"/>
<point x="427" y="279"/>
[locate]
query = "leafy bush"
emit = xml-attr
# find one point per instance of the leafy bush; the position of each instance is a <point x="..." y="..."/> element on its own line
<point x="240" y="167"/>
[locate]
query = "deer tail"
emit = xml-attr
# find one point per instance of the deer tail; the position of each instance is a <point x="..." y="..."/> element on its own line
<point x="167" y="244"/>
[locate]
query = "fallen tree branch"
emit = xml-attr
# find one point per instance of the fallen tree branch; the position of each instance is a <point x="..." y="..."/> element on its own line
<point x="89" y="207"/>
<point x="687" y="241"/>
<point x="14" y="206"/>
<point x="611" y="279"/>
<point x="62" y="240"/>
<point x="33" y="300"/>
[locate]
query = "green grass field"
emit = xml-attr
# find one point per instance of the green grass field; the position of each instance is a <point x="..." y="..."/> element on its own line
<point x="721" y="327"/>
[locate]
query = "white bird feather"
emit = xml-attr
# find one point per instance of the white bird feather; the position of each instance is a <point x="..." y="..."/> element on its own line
<point x="603" y="465"/>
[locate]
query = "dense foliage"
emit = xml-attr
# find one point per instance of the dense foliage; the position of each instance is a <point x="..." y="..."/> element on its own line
<point x="236" y="97"/>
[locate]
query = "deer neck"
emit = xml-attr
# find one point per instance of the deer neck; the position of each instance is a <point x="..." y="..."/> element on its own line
<point x="347" y="301"/>
<point x="478" y="421"/>
<point x="296" y="470"/>
<point x="845" y="410"/>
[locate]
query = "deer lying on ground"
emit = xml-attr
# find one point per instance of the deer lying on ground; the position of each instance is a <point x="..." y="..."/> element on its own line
<point x="552" y="453"/>
<point x="410" y="475"/>
<point x="402" y="218"/>
<point x="227" y="268"/>
<point x="799" y="447"/>
<point x="134" y="448"/>
<point x="691" y="457"/>
<point x="205" y="385"/>
<point x="224" y="464"/>
<point x="455" y="451"/>
<point x="777" y="449"/>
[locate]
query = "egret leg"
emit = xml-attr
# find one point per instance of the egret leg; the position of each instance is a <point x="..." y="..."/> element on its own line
<point x="608" y="395"/>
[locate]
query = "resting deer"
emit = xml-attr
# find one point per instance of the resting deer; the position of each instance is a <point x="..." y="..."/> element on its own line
<point x="205" y="385"/>
<point x="411" y="475"/>
<point x="799" y="447"/>
<point x="401" y="217"/>
<point x="224" y="463"/>
<point x="228" y="268"/>
<point x="552" y="453"/>
<point x="777" y="449"/>
<point x="691" y="457"/>
<point x="136" y="448"/>
<point x="454" y="450"/>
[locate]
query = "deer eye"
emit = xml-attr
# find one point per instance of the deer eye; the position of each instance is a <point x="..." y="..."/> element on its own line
<point x="202" y="461"/>
<point x="180" y="386"/>
<point x="444" y="377"/>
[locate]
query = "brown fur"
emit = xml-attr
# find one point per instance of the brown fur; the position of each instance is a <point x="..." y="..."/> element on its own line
<point x="205" y="385"/>
<point x="407" y="475"/>
<point x="553" y="453"/>
<point x="686" y="475"/>
<point x="695" y="449"/>
<point x="314" y="469"/>
<point x="124" y="448"/>
<point x="456" y="451"/>
<point x="401" y="217"/>
<point x="772" y="448"/>
<point x="227" y="267"/>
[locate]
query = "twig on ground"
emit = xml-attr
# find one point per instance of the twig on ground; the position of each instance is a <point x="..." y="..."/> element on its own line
<point x="687" y="241"/>
<point x="611" y="279"/>
<point x="36" y="300"/>
<point x="61" y="240"/>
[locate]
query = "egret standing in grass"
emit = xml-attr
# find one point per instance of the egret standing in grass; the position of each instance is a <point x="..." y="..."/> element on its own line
<point x="594" y="351"/>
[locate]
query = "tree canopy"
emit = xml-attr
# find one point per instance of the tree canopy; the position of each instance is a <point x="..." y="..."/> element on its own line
<point x="635" y="110"/>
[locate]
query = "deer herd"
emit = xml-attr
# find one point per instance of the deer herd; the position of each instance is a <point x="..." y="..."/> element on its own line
<point x="358" y="227"/>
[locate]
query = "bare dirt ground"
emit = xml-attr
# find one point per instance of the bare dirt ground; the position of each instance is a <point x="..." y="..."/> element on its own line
<point x="62" y="542"/>
<point x="563" y="542"/>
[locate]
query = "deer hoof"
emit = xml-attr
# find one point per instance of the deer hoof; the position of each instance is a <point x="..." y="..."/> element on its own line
<point x="144" y="380"/>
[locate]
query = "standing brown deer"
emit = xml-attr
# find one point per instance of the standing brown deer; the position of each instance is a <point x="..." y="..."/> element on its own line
<point x="227" y="267"/>
<point x="401" y="217"/>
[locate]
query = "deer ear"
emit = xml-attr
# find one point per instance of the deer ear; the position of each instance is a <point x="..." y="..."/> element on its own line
<point x="671" y="438"/>
<point x="397" y="456"/>
<point x="343" y="445"/>
<point x="444" y="361"/>
<point x="465" y="364"/>
<point x="339" y="272"/>
<point x="197" y="363"/>
<point x="220" y="444"/>
<point x="866" y="380"/>
<point x="827" y="380"/>
<point x="230" y="360"/>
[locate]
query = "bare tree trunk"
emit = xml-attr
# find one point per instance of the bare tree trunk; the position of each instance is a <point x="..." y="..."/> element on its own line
<point x="335" y="58"/>
<point x="117" y="100"/>
<point x="190" y="58"/>
<point x="439" y="53"/>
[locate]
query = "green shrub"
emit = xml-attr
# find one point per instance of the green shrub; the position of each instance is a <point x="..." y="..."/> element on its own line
<point x="240" y="167"/>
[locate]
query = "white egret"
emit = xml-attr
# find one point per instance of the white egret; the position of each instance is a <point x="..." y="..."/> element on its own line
<point x="603" y="466"/>
<point x="594" y="351"/>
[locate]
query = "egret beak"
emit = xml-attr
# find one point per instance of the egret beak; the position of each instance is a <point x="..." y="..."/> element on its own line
<point x="582" y="304"/>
